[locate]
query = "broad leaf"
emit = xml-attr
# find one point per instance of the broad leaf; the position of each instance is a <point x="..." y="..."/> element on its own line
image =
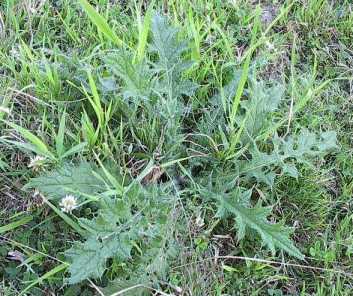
<point x="89" y="259"/>
<point x="69" y="179"/>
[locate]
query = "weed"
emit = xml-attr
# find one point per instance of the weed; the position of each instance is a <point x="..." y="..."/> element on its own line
<point x="162" y="148"/>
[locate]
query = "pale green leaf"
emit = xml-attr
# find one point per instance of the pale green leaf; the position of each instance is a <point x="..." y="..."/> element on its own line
<point x="69" y="179"/>
<point x="88" y="260"/>
<point x="274" y="235"/>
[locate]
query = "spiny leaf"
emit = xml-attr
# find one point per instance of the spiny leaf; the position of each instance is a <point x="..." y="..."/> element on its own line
<point x="108" y="236"/>
<point x="306" y="144"/>
<point x="261" y="103"/>
<point x="299" y="148"/>
<point x="170" y="64"/>
<point x="138" y="219"/>
<point x="136" y="76"/>
<point x="166" y="43"/>
<point x="88" y="260"/>
<point x="273" y="235"/>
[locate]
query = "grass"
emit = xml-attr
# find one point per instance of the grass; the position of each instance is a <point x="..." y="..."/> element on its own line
<point x="67" y="96"/>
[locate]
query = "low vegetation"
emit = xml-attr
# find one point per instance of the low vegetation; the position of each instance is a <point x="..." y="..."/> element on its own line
<point x="176" y="148"/>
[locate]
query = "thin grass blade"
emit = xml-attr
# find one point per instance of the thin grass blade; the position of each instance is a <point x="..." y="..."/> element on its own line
<point x="100" y="22"/>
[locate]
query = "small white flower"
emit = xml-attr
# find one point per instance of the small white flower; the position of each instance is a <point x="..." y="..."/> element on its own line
<point x="37" y="163"/>
<point x="15" y="52"/>
<point x="68" y="203"/>
<point x="179" y="290"/>
<point x="200" y="222"/>
<point x="270" y="46"/>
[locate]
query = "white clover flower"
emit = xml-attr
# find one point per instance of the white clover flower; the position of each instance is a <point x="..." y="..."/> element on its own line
<point x="200" y="222"/>
<point x="37" y="163"/>
<point x="68" y="203"/>
<point x="270" y="46"/>
<point x="15" y="52"/>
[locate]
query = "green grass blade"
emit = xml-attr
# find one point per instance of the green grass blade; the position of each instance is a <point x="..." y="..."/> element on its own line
<point x="47" y="275"/>
<point x="24" y="146"/>
<point x="235" y="137"/>
<point x="115" y="182"/>
<point x="59" y="139"/>
<point x="95" y="102"/>
<point x="76" y="149"/>
<point x="36" y="142"/>
<point x="100" y="22"/>
<point x="3" y="165"/>
<point x="244" y="75"/>
<point x="69" y="30"/>
<point x="15" y="224"/>
<point x="143" y="31"/>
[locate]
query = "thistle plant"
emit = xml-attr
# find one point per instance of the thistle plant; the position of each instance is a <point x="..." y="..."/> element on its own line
<point x="131" y="224"/>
